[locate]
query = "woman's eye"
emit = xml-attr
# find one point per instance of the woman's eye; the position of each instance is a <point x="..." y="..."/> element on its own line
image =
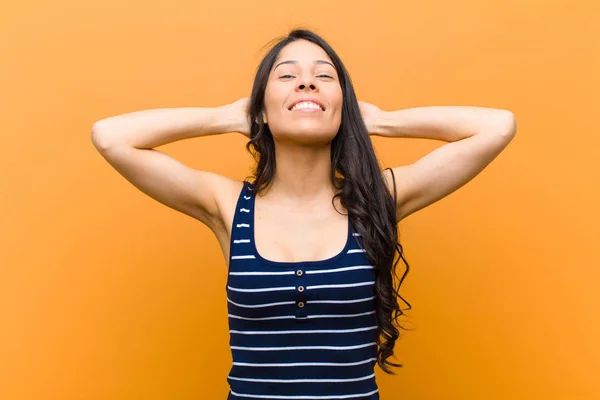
<point x="318" y="76"/>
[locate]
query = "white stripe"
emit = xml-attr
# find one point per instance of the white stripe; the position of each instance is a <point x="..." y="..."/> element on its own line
<point x="358" y="346"/>
<point x="243" y="225"/>
<point x="334" y="397"/>
<point x="262" y="305"/>
<point x="242" y="257"/>
<point x="357" y="251"/>
<point x="242" y="241"/>
<point x="362" y="378"/>
<point x="271" y="289"/>
<point x="326" y="271"/>
<point x="305" y="364"/>
<point x="356" y="234"/>
<point x="311" y="302"/>
<point x="262" y="289"/>
<point x="244" y="210"/>
<point x="247" y="197"/>
<point x="341" y="285"/>
<point x="341" y="315"/>
<point x="322" y="271"/>
<point x="307" y="317"/>
<point x="341" y="301"/>
<point x="264" y="273"/>
<point x="304" y="331"/>
<point x="262" y="319"/>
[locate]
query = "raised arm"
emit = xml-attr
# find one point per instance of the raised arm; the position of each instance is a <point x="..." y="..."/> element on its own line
<point x="476" y="136"/>
<point x="127" y="142"/>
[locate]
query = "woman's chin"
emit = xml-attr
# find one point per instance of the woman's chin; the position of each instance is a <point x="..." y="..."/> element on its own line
<point x="305" y="136"/>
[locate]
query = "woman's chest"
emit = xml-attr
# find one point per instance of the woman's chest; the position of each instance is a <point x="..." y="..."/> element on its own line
<point x="282" y="237"/>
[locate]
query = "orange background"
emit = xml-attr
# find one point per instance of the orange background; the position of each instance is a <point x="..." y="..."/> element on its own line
<point x="107" y="294"/>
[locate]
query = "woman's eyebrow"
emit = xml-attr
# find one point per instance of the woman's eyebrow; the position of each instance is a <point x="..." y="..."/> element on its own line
<point x="296" y="62"/>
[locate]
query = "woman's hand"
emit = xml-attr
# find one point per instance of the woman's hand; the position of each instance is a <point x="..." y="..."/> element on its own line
<point x="237" y="114"/>
<point x="370" y="114"/>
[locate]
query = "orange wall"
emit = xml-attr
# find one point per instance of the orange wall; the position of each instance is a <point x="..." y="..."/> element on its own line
<point x="107" y="294"/>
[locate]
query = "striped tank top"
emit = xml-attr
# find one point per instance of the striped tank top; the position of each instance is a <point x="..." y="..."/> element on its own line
<point x="299" y="330"/>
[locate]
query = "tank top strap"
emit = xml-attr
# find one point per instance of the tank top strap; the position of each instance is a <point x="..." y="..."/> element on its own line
<point x="241" y="231"/>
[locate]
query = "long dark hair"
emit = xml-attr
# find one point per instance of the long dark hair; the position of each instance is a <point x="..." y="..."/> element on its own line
<point x="355" y="172"/>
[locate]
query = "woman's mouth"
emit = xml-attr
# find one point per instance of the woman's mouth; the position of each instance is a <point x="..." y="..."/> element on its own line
<point x="306" y="106"/>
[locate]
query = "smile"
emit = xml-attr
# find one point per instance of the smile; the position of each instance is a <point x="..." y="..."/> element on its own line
<point x="307" y="106"/>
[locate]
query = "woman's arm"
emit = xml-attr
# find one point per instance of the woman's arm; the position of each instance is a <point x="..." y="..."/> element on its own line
<point x="476" y="135"/>
<point x="126" y="142"/>
<point x="147" y="129"/>
<point x="447" y="123"/>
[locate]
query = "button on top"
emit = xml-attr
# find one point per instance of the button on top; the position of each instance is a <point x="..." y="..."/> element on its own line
<point x="301" y="288"/>
<point x="299" y="272"/>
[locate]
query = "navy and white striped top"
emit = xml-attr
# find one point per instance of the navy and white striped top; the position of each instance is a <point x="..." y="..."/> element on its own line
<point x="299" y="330"/>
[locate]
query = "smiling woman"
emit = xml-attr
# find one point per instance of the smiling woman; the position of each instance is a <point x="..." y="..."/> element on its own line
<point x="311" y="239"/>
<point x="311" y="145"/>
<point x="303" y="75"/>
<point x="309" y="242"/>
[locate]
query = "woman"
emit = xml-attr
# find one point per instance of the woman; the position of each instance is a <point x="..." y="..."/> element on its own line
<point x="307" y="320"/>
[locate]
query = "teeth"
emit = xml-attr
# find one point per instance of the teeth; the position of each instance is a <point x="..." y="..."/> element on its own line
<point x="306" y="104"/>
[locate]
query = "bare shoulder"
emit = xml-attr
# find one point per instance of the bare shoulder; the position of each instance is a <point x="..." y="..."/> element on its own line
<point x="225" y="193"/>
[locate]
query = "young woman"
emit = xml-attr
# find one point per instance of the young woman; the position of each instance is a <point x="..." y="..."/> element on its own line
<point x="310" y="241"/>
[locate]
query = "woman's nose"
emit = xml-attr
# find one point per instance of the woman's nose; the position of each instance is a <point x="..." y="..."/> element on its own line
<point x="302" y="86"/>
<point x="307" y="80"/>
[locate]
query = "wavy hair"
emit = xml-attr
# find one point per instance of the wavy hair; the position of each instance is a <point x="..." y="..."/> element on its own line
<point x="356" y="175"/>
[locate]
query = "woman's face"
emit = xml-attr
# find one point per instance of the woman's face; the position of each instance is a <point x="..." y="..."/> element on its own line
<point x="303" y="70"/>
